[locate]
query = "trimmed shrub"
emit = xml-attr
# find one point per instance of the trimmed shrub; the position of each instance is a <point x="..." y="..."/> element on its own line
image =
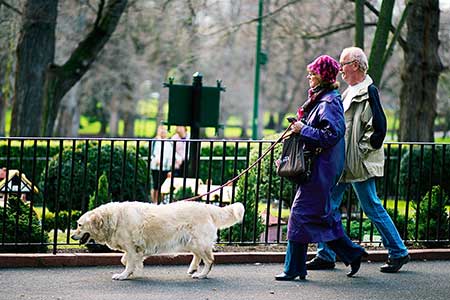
<point x="183" y="194"/>
<point x="28" y="228"/>
<point x="400" y="222"/>
<point x="354" y="233"/>
<point x="127" y="178"/>
<point x="29" y="152"/>
<point x="250" y="193"/>
<point x="428" y="169"/>
<point x="432" y="210"/>
<point x="388" y="183"/>
<point x="48" y="223"/>
<point x="102" y="195"/>
<point x="228" y="166"/>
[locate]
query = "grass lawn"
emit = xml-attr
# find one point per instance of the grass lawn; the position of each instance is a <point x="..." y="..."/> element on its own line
<point x="62" y="237"/>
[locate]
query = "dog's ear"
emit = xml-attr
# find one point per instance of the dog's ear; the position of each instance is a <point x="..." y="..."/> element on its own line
<point x="96" y="221"/>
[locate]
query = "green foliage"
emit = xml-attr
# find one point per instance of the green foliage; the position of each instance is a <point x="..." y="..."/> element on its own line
<point x="250" y="193"/>
<point x="48" y="223"/>
<point x="354" y="229"/>
<point x="25" y="165"/>
<point x="388" y="183"/>
<point x="431" y="210"/>
<point x="427" y="169"/>
<point x="102" y="196"/>
<point x="400" y="222"/>
<point x="183" y="194"/>
<point x="28" y="228"/>
<point x="228" y="166"/>
<point x="127" y="179"/>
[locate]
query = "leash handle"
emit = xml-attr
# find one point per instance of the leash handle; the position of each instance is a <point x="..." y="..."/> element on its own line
<point x="283" y="136"/>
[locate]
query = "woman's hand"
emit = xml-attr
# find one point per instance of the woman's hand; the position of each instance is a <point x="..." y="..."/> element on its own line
<point x="297" y="126"/>
<point x="277" y="162"/>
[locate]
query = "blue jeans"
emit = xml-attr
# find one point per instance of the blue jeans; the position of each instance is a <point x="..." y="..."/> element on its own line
<point x="373" y="208"/>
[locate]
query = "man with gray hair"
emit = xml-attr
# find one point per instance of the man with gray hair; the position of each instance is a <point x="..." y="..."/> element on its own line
<point x="364" y="160"/>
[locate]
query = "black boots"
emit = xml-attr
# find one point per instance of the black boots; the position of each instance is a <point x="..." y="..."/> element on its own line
<point x="285" y="277"/>
<point x="318" y="263"/>
<point x="394" y="264"/>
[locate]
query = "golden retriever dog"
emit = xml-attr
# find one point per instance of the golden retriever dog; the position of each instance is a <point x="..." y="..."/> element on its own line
<point x="143" y="229"/>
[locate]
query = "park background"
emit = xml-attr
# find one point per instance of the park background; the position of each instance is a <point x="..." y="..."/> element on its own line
<point x="96" y="68"/>
<point x="116" y="89"/>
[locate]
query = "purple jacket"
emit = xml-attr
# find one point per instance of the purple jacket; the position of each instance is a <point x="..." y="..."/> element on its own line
<point x="311" y="218"/>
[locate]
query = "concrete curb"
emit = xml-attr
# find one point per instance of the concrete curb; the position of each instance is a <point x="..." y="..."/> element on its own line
<point x="105" y="259"/>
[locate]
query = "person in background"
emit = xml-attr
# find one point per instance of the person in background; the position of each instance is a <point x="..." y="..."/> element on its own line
<point x="161" y="160"/>
<point x="321" y="126"/>
<point x="181" y="136"/>
<point x="365" y="132"/>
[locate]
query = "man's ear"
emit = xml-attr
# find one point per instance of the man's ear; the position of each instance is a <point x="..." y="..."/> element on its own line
<point x="96" y="221"/>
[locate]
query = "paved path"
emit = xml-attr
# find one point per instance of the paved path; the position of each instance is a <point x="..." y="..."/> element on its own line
<point x="417" y="280"/>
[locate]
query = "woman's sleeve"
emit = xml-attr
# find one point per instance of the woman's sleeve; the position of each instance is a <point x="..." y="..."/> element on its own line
<point x="330" y="128"/>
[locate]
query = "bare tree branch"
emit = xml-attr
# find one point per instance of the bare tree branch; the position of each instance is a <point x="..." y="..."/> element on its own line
<point x="17" y="11"/>
<point x="332" y="30"/>
<point x="236" y="27"/>
<point x="61" y="78"/>
<point x="101" y="5"/>
<point x="392" y="29"/>
<point x="165" y="4"/>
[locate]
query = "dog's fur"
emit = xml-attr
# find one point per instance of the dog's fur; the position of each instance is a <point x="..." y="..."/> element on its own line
<point x="142" y="229"/>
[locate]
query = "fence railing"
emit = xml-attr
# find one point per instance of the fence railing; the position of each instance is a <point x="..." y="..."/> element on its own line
<point x="47" y="183"/>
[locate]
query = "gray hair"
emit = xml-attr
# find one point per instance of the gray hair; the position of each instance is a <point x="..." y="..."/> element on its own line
<point x="358" y="55"/>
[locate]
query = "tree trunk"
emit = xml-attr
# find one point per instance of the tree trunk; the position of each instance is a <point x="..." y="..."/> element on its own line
<point x="380" y="41"/>
<point x="35" y="51"/>
<point x="359" y="23"/>
<point x="129" y="118"/>
<point x="245" y="120"/>
<point x="59" y="79"/>
<point x="114" y="117"/>
<point x="420" y="73"/>
<point x="68" y="120"/>
<point x="4" y="88"/>
<point x="2" y="111"/>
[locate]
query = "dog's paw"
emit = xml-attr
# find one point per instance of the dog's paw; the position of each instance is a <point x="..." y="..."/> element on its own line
<point x="199" y="276"/>
<point x="190" y="272"/>
<point x="138" y="273"/>
<point x="120" y="276"/>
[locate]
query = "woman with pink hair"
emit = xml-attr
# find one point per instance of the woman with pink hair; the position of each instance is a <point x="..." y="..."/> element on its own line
<point x="321" y="126"/>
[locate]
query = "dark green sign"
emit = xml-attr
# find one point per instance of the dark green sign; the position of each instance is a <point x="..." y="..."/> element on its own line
<point x="194" y="105"/>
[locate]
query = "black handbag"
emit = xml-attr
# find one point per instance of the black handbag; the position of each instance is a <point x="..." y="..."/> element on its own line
<point x="295" y="162"/>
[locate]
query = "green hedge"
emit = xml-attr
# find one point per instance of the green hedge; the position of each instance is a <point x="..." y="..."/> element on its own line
<point x="427" y="169"/>
<point x="29" y="151"/>
<point x="388" y="183"/>
<point x="28" y="228"/>
<point x="218" y="166"/>
<point x="63" y="220"/>
<point x="127" y="180"/>
<point x="254" y="195"/>
<point x="432" y="210"/>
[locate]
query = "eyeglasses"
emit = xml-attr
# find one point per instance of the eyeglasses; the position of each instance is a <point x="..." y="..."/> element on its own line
<point x="346" y="63"/>
<point x="311" y="74"/>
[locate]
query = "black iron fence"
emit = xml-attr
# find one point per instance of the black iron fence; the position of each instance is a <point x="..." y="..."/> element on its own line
<point x="47" y="183"/>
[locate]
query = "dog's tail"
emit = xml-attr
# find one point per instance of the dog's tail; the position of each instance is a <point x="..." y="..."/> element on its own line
<point x="229" y="215"/>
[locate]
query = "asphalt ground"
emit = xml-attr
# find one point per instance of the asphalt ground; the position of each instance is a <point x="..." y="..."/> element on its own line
<point x="416" y="280"/>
